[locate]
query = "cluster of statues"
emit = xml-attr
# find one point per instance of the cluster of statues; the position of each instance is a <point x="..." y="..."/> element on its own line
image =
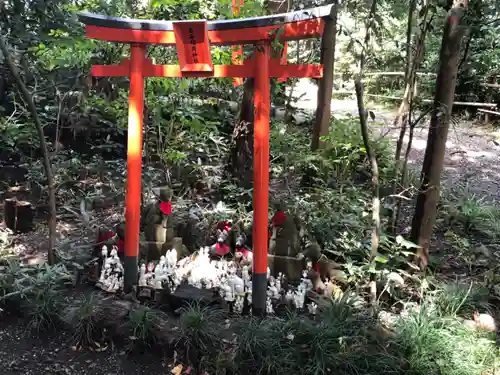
<point x="165" y="234"/>
<point x="230" y="279"/>
<point x="111" y="278"/>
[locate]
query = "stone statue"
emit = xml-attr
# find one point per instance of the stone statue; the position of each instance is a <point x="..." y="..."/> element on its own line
<point x="285" y="238"/>
<point x="156" y="221"/>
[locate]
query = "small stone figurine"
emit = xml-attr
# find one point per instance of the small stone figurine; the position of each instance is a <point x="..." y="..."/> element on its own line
<point x="273" y="290"/>
<point x="142" y="276"/>
<point x="312" y="307"/>
<point x="237" y="284"/>
<point x="269" y="306"/>
<point x="238" y="304"/>
<point x="228" y="293"/>
<point x="245" y="275"/>
<point x="278" y="285"/>
<point x="104" y="274"/>
<point x="299" y="297"/>
<point x="104" y="253"/>
<point x="249" y="297"/>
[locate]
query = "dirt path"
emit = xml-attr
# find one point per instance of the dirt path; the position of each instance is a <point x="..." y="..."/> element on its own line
<point x="26" y="354"/>
<point x="472" y="153"/>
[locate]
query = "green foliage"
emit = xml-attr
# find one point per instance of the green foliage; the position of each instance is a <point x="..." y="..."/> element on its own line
<point x="345" y="339"/>
<point x="85" y="319"/>
<point x="452" y="299"/>
<point x="200" y="338"/>
<point x="143" y="323"/>
<point x="433" y="344"/>
<point x="42" y="310"/>
<point x="470" y="213"/>
<point x="344" y="156"/>
<point x="36" y="291"/>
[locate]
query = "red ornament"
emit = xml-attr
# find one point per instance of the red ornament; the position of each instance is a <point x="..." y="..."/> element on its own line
<point x="103" y="237"/>
<point x="317" y="267"/>
<point x="224" y="226"/>
<point x="121" y="245"/>
<point x="166" y="207"/>
<point x="222" y="249"/>
<point x="244" y="251"/>
<point x="279" y="218"/>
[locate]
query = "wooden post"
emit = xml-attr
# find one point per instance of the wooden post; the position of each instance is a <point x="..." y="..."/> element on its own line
<point x="491" y="79"/>
<point x="134" y="166"/>
<point x="261" y="177"/>
<point x="18" y="215"/>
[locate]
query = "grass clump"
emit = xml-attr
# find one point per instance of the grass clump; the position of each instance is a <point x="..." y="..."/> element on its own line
<point x="84" y="319"/>
<point x="433" y="344"/>
<point x="37" y="291"/>
<point x="347" y="343"/>
<point x="472" y="213"/>
<point x="200" y="337"/>
<point x="453" y="299"/>
<point x="144" y="326"/>
<point x="42" y="311"/>
<point x="346" y="339"/>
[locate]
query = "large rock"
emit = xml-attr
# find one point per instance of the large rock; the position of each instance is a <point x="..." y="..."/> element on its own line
<point x="186" y="294"/>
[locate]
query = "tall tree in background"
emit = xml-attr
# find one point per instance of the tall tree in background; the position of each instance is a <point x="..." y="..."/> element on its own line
<point x="325" y="89"/>
<point x="425" y="210"/>
<point x="241" y="154"/>
<point x="404" y="116"/>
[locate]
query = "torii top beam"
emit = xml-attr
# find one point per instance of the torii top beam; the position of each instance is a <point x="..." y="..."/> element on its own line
<point x="297" y="25"/>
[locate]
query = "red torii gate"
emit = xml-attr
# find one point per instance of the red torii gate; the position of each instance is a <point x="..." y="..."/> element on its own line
<point x="192" y="40"/>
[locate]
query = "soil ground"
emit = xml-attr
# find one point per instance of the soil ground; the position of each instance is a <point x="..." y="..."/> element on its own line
<point x="53" y="354"/>
<point x="472" y="157"/>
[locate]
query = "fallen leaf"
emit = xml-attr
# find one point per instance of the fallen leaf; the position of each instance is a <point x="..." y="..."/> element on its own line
<point x="177" y="370"/>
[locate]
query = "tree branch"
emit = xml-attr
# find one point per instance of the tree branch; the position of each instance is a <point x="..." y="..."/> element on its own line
<point x="28" y="98"/>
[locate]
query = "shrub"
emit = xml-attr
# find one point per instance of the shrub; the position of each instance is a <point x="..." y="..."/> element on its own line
<point x="341" y="340"/>
<point x="433" y="344"/>
<point x="453" y="299"/>
<point x="144" y="326"/>
<point x="200" y="338"/>
<point x="36" y="290"/>
<point x="84" y="319"/>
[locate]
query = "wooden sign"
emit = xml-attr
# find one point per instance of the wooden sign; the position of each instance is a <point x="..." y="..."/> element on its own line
<point x="193" y="47"/>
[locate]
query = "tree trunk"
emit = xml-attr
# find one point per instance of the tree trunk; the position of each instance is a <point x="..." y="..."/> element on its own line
<point x="405" y="104"/>
<point x="425" y="209"/>
<point x="43" y="148"/>
<point x="404" y="116"/>
<point x="363" y="117"/>
<point x="241" y="153"/>
<point x="240" y="164"/>
<point x="374" y="166"/>
<point x="325" y="89"/>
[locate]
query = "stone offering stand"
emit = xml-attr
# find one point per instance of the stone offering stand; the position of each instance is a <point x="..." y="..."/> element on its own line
<point x="198" y="278"/>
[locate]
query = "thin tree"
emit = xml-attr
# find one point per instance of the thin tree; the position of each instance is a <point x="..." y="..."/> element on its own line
<point x="404" y="116"/>
<point x="363" y="120"/>
<point x="425" y="209"/>
<point x="325" y="89"/>
<point x="28" y="98"/>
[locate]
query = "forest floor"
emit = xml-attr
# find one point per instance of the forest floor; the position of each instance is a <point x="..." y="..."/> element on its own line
<point x="54" y="354"/>
<point x="472" y="157"/>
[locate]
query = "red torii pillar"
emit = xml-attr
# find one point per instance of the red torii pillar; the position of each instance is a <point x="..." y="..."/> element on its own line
<point x="237" y="53"/>
<point x="192" y="40"/>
